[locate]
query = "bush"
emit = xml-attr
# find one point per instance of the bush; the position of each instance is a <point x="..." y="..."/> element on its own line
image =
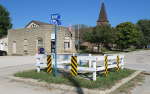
<point x="83" y="47"/>
<point x="104" y="49"/>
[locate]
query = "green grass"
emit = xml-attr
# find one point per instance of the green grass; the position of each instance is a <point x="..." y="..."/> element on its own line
<point x="102" y="82"/>
<point x="113" y="52"/>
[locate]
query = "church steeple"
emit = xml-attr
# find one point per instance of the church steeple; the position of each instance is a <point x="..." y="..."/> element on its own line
<point x="102" y="19"/>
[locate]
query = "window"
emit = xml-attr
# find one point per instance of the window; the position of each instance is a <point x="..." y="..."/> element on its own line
<point x="66" y="45"/>
<point x="25" y="46"/>
<point x="14" y="47"/>
<point x="39" y="43"/>
<point x="34" y="25"/>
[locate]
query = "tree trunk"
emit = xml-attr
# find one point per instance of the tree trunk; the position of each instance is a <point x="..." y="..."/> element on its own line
<point x="98" y="48"/>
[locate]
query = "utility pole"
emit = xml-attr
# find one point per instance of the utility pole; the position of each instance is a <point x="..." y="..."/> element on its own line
<point x="55" y="69"/>
<point x="78" y="38"/>
<point x="55" y="18"/>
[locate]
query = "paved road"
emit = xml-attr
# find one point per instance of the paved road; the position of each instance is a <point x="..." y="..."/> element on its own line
<point x="9" y="87"/>
<point x="138" y="60"/>
<point x="6" y="61"/>
<point x="143" y="88"/>
<point x="11" y="64"/>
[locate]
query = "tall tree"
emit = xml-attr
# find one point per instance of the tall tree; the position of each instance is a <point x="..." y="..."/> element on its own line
<point x="5" y="21"/>
<point x="82" y="31"/>
<point x="100" y="36"/>
<point x="128" y="35"/>
<point x="144" y="26"/>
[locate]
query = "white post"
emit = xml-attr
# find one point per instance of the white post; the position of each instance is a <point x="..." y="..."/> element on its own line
<point x="38" y="69"/>
<point x="94" y="73"/>
<point x="90" y="62"/>
<point x="38" y="61"/>
<point x="122" y="62"/>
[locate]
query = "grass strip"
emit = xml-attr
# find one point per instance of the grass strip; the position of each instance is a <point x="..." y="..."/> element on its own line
<point x="102" y="82"/>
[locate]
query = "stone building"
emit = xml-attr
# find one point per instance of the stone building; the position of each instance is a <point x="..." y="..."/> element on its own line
<point x="26" y="41"/>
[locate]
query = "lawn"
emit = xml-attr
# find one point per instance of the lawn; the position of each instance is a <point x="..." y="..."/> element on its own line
<point x="102" y="81"/>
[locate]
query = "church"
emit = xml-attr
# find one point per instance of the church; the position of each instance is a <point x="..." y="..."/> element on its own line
<point x="102" y="19"/>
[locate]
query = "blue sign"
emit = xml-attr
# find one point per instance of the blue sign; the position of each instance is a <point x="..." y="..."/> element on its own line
<point x="55" y="16"/>
<point x="57" y="22"/>
<point x="42" y="50"/>
<point x="55" y="19"/>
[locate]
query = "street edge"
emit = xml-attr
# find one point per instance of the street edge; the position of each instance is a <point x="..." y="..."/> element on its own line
<point x="74" y="89"/>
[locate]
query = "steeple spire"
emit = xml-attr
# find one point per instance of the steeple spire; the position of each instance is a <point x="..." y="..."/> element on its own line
<point x="102" y="19"/>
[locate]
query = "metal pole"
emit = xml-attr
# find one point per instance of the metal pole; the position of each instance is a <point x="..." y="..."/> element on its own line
<point x="55" y="67"/>
<point x="78" y="39"/>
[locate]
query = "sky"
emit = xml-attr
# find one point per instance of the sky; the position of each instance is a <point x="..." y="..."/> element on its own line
<point x="76" y="11"/>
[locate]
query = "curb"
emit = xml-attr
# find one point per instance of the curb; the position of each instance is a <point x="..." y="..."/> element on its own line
<point x="75" y="89"/>
<point x="123" y="81"/>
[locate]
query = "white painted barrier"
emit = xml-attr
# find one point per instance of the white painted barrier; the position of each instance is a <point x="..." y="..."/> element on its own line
<point x="40" y="62"/>
<point x="95" y="63"/>
<point x="95" y="60"/>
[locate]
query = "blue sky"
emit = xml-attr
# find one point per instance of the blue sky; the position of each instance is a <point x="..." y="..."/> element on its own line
<point x="76" y="11"/>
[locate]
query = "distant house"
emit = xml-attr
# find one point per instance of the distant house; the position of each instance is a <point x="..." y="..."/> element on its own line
<point x="35" y="35"/>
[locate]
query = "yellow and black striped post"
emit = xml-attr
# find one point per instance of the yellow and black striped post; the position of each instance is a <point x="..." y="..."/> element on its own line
<point x="49" y="64"/>
<point x="106" y="65"/>
<point x="118" y="62"/>
<point x="74" y="66"/>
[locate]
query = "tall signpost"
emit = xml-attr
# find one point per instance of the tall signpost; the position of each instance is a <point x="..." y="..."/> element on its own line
<point x="55" y="19"/>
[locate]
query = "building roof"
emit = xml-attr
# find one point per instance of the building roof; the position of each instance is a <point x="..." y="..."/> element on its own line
<point x="103" y="15"/>
<point x="38" y="23"/>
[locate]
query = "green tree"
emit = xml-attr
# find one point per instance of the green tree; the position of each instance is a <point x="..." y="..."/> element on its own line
<point x="82" y="31"/>
<point x="128" y="35"/>
<point x="144" y="26"/>
<point x="5" y="21"/>
<point x="100" y="36"/>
